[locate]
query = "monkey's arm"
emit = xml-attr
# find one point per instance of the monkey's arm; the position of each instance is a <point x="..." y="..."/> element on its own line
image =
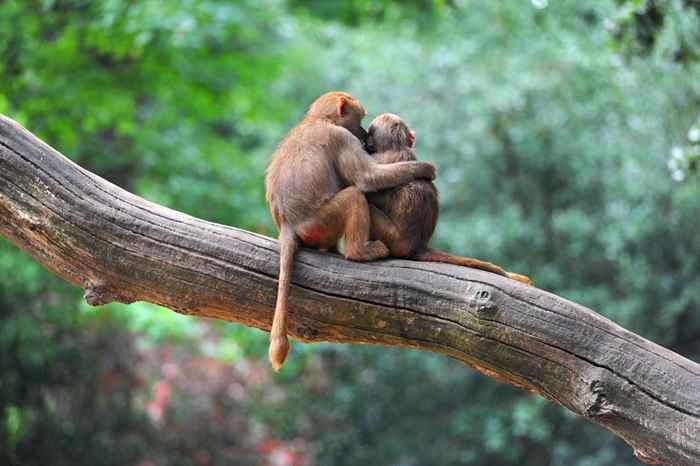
<point x="361" y="170"/>
<point x="390" y="156"/>
<point x="375" y="177"/>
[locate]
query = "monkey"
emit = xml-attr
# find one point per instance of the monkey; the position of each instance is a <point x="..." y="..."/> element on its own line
<point x="315" y="186"/>
<point x="404" y="217"/>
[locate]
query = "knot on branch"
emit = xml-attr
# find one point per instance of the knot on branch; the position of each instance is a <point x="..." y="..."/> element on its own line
<point x="600" y="405"/>
<point x="482" y="300"/>
<point x="99" y="295"/>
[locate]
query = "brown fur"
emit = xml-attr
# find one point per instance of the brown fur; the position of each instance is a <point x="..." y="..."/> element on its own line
<point x="315" y="188"/>
<point x="404" y="217"/>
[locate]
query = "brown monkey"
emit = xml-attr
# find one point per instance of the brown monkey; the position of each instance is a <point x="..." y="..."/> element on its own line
<point x="404" y="217"/>
<point x="315" y="186"/>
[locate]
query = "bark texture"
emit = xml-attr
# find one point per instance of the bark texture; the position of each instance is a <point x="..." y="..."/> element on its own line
<point x="120" y="247"/>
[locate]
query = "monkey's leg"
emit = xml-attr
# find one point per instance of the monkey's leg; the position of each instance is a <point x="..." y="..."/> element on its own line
<point x="384" y="229"/>
<point x="345" y="216"/>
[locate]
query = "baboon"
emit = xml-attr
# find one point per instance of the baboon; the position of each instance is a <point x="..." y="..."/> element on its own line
<point x="404" y="217"/>
<point x="316" y="185"/>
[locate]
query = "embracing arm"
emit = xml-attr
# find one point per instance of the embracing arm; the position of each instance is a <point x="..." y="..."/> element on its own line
<point x="392" y="156"/>
<point x="361" y="170"/>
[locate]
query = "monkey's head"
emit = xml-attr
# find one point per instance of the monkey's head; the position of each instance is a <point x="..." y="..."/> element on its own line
<point x="341" y="109"/>
<point x="389" y="132"/>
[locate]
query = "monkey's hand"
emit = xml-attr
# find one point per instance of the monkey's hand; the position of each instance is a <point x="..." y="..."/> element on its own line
<point x="424" y="170"/>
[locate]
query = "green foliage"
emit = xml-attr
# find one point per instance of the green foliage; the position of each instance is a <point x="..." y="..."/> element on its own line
<point x="666" y="28"/>
<point x="361" y="12"/>
<point x="122" y="86"/>
<point x="565" y="136"/>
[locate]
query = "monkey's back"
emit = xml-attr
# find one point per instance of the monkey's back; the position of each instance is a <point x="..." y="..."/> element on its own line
<point x="414" y="209"/>
<point x="302" y="176"/>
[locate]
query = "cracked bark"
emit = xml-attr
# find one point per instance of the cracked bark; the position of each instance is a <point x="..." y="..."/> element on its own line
<point x="120" y="247"/>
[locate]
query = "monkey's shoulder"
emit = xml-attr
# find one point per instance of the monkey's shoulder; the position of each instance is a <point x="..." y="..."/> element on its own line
<point x="304" y="143"/>
<point x="414" y="196"/>
<point x="323" y="134"/>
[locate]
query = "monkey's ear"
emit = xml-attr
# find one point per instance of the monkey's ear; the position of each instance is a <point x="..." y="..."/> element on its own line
<point x="411" y="137"/>
<point x="342" y="101"/>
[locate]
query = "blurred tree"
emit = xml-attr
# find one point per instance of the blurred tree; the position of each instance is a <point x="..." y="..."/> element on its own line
<point x="360" y="12"/>
<point x="666" y="28"/>
<point x="668" y="31"/>
<point x="122" y="86"/>
<point x="48" y="417"/>
<point x="533" y="95"/>
<point x="165" y="98"/>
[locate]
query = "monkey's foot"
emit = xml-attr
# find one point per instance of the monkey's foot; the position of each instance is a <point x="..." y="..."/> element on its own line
<point x="372" y="250"/>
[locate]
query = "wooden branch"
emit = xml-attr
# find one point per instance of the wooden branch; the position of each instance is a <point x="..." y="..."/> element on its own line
<point x="120" y="247"/>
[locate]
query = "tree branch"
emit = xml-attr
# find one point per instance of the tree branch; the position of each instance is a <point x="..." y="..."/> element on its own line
<point x="120" y="247"/>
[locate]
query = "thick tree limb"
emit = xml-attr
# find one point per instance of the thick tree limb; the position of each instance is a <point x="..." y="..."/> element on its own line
<point x="120" y="247"/>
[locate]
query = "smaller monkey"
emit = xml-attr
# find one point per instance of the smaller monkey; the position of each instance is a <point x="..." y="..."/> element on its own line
<point x="404" y="217"/>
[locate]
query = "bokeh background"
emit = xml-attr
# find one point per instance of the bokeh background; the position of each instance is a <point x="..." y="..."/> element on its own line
<point x="566" y="135"/>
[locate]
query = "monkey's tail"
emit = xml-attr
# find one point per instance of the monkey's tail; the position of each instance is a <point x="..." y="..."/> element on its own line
<point x="279" y="344"/>
<point x="432" y="255"/>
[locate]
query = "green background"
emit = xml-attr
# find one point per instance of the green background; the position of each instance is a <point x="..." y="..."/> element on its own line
<point x="566" y="136"/>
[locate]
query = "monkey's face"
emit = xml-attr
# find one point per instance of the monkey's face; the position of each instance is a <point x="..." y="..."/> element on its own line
<point x="389" y="132"/>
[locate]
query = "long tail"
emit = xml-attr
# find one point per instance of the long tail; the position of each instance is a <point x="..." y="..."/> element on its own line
<point x="279" y="344"/>
<point x="431" y="255"/>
